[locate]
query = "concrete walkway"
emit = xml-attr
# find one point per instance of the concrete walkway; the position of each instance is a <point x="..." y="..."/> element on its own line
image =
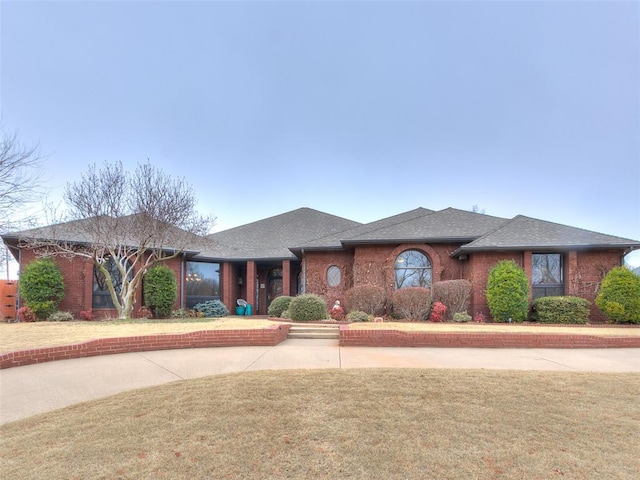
<point x="33" y="389"/>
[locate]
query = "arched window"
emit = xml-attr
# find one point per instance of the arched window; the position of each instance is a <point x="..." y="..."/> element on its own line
<point x="334" y="276"/>
<point x="101" y="295"/>
<point x="412" y="269"/>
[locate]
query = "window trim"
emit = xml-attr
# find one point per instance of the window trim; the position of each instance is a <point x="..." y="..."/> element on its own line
<point x="547" y="289"/>
<point x="428" y="268"/>
<point x="330" y="269"/>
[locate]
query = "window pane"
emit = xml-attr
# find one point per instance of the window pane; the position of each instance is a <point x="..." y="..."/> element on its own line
<point x="101" y="295"/>
<point x="333" y="276"/>
<point x="412" y="269"/>
<point x="547" y="269"/>
<point x="202" y="282"/>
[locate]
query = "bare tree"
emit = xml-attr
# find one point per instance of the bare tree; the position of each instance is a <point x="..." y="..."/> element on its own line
<point x="125" y="223"/>
<point x="19" y="178"/>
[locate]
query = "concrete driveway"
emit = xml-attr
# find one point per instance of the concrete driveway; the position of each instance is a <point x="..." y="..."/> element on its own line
<point x="33" y="389"/>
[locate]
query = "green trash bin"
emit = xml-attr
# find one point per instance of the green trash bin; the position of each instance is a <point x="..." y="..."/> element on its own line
<point x="240" y="310"/>
<point x="248" y="310"/>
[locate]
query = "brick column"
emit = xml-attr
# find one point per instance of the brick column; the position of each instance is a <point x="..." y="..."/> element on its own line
<point x="571" y="274"/>
<point x="227" y="286"/>
<point x="251" y="284"/>
<point x="286" y="277"/>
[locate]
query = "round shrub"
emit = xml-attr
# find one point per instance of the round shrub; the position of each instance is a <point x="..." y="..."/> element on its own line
<point x="565" y="309"/>
<point x="160" y="290"/>
<point x="42" y="287"/>
<point x="461" y="317"/>
<point x="279" y="305"/>
<point x="180" y="313"/>
<point x="412" y="303"/>
<point x="619" y="296"/>
<point x="508" y="292"/>
<point x="455" y="294"/>
<point x="307" y="307"/>
<point x="212" y="309"/>
<point x="366" y="298"/>
<point x="359" y="316"/>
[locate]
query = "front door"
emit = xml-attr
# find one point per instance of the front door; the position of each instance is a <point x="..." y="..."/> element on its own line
<point x="274" y="284"/>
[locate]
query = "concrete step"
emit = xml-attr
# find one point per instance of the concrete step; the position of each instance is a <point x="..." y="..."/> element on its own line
<point x="315" y="331"/>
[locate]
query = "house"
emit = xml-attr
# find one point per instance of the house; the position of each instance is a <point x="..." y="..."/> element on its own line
<point x="306" y="250"/>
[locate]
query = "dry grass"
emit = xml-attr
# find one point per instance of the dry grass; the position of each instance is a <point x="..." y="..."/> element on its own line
<point x="356" y="424"/>
<point x="22" y="336"/>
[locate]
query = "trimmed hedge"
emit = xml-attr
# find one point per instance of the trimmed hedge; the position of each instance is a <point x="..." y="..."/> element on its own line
<point x="565" y="309"/>
<point x="359" y="316"/>
<point x="619" y="296"/>
<point x="366" y="298"/>
<point x="160" y="290"/>
<point x="307" y="307"/>
<point x="508" y="292"/>
<point x="279" y="305"/>
<point x="455" y="294"/>
<point x="412" y="303"/>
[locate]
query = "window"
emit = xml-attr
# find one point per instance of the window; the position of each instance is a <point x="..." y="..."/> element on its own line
<point x="101" y="295"/>
<point x="202" y="282"/>
<point x="547" y="276"/>
<point x="334" y="276"/>
<point x="412" y="269"/>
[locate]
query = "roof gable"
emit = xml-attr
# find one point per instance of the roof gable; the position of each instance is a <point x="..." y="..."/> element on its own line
<point x="272" y="237"/>
<point x="449" y="224"/>
<point x="530" y="233"/>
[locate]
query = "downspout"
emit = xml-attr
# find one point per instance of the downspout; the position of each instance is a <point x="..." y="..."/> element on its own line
<point x="182" y="295"/>
<point x="18" y="289"/>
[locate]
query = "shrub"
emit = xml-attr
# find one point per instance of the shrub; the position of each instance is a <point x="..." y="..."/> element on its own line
<point x="455" y="294"/>
<point x="144" y="312"/>
<point x="367" y="298"/>
<point x="359" y="316"/>
<point x="86" y="315"/>
<point x="412" y="303"/>
<point x="438" y="312"/>
<point x="212" y="308"/>
<point x="278" y="305"/>
<point x="180" y="313"/>
<point x="619" y="296"/>
<point x="337" y="312"/>
<point x="285" y="314"/>
<point x="461" y="317"/>
<point x="25" y="314"/>
<point x="307" y="307"/>
<point x="42" y="287"/>
<point x="564" y="309"/>
<point x="160" y="290"/>
<point x="508" y="292"/>
<point x="479" y="317"/>
<point x="60" y="317"/>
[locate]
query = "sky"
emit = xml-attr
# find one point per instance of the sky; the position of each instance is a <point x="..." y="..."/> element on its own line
<point x="358" y="109"/>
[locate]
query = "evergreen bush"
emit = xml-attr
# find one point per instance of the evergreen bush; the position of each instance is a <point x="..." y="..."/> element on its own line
<point x="366" y="298"/>
<point x="412" y="303"/>
<point x="619" y="296"/>
<point x="455" y="294"/>
<point x="461" y="317"/>
<point x="42" y="287"/>
<point x="59" y="316"/>
<point x="279" y="305"/>
<point x="307" y="307"/>
<point x="565" y="309"/>
<point x="359" y="316"/>
<point x="212" y="309"/>
<point x="160" y="290"/>
<point x="508" y="292"/>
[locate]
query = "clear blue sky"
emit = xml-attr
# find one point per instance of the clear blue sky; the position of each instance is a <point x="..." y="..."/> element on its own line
<point x="360" y="109"/>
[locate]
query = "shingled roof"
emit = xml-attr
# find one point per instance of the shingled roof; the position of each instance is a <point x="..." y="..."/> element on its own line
<point x="272" y="237"/>
<point x="448" y="225"/>
<point x="526" y="233"/>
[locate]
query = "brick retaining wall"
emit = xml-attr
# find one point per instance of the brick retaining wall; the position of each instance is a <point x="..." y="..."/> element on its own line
<point x="106" y="346"/>
<point x="396" y="338"/>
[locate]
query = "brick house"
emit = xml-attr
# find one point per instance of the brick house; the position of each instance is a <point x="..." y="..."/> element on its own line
<point x="310" y="251"/>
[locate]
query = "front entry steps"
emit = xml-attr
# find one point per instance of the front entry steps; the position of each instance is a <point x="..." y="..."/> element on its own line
<point x="325" y="332"/>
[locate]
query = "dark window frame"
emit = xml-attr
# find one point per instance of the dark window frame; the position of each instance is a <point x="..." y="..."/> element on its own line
<point x="199" y="278"/>
<point x="101" y="297"/>
<point x="406" y="262"/>
<point x="541" y="284"/>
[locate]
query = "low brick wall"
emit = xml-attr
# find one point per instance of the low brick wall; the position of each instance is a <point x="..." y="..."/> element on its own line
<point x="396" y="338"/>
<point x="107" y="346"/>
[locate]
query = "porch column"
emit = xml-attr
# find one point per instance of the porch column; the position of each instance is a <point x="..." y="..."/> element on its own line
<point x="227" y="286"/>
<point x="286" y="277"/>
<point x="251" y="284"/>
